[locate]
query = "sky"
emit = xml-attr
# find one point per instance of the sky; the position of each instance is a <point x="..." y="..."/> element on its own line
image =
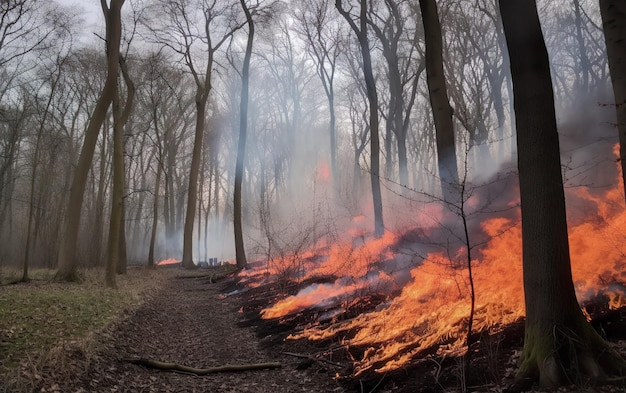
<point x="90" y="12"/>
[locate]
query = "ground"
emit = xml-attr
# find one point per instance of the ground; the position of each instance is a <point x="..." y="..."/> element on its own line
<point x="194" y="321"/>
<point x="189" y="322"/>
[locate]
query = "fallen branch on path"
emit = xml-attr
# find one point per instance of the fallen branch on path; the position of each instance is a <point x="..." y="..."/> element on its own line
<point x="165" y="366"/>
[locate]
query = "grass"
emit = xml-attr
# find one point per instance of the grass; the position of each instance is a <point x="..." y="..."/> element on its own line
<point x="40" y="316"/>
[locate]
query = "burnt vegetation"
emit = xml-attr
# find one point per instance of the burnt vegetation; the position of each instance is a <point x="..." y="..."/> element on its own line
<point x="495" y="352"/>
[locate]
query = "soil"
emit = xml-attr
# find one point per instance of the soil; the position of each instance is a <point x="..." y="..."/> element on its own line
<point x="191" y="323"/>
<point x="198" y="323"/>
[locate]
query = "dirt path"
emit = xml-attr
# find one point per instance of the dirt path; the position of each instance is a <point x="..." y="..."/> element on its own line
<point x="188" y="322"/>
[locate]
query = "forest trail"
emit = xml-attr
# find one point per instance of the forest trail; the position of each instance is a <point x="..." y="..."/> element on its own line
<point x="188" y="322"/>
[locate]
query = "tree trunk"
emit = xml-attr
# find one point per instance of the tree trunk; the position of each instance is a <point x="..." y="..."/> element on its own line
<point x="67" y="251"/>
<point x="560" y="346"/>
<point x="122" y="261"/>
<point x="192" y="193"/>
<point x="240" y="251"/>
<point x="116" y="260"/>
<point x="442" y="111"/>
<point x="614" y="22"/>
<point x="155" y="214"/>
<point x="117" y="196"/>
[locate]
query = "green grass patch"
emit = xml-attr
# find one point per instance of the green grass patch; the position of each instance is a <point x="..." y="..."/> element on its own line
<point x="39" y="315"/>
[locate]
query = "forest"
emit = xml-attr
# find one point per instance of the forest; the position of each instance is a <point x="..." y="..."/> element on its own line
<point x="403" y="174"/>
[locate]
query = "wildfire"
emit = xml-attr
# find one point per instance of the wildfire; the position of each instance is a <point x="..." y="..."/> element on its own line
<point x="431" y="311"/>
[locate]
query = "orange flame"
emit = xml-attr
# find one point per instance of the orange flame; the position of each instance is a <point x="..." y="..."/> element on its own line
<point x="433" y="308"/>
<point x="169" y="261"/>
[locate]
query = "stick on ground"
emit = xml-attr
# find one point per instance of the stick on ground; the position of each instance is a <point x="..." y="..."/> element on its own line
<point x="166" y="366"/>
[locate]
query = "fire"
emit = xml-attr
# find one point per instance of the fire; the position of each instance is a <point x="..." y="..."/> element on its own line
<point x="169" y="261"/>
<point x="431" y="310"/>
<point x="322" y="172"/>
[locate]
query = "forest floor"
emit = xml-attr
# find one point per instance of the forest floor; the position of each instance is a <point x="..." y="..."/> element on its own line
<point x="197" y="322"/>
<point x="189" y="322"/>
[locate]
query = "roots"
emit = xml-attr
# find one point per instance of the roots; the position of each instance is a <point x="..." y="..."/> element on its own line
<point x="568" y="356"/>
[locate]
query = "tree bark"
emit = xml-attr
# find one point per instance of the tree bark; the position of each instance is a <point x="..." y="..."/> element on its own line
<point x="155" y="214"/>
<point x="120" y="117"/>
<point x="560" y="346"/>
<point x="192" y="191"/>
<point x="614" y="23"/>
<point x="67" y="252"/>
<point x="438" y="92"/>
<point x="240" y="251"/>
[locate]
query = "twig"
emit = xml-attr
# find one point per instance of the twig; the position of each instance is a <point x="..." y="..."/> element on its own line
<point x="150" y="363"/>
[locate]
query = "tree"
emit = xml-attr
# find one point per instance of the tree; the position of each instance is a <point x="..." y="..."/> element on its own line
<point x="393" y="34"/>
<point x="560" y="346"/>
<point x="52" y="81"/>
<point x="372" y="96"/>
<point x="614" y="22"/>
<point x="240" y="251"/>
<point x="67" y="252"/>
<point x="324" y="43"/>
<point x="184" y="34"/>
<point x="438" y="92"/>
<point x="116" y="230"/>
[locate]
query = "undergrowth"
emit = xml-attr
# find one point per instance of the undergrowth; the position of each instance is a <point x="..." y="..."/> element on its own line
<point x="41" y="319"/>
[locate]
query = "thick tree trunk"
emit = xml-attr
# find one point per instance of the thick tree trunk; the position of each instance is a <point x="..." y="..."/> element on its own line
<point x="240" y="251"/>
<point x="192" y="193"/>
<point x="614" y="22"/>
<point x="116" y="251"/>
<point x="117" y="196"/>
<point x="438" y="92"/>
<point x="67" y="252"/>
<point x="560" y="346"/>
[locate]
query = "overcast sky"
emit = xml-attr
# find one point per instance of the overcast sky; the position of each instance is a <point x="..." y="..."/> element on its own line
<point x="90" y="12"/>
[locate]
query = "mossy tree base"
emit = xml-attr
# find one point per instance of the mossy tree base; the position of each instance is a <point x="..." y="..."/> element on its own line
<point x="568" y="355"/>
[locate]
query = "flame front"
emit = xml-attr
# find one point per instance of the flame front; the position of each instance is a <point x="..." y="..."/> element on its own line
<point x="433" y="307"/>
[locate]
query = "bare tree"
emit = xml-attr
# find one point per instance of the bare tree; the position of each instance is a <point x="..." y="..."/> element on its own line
<point x="360" y="31"/>
<point x="402" y="76"/>
<point x="190" y="26"/>
<point x="442" y="111"/>
<point x="167" y="111"/>
<point x="67" y="252"/>
<point x="121" y="115"/>
<point x="51" y="83"/>
<point x="324" y="43"/>
<point x="240" y="251"/>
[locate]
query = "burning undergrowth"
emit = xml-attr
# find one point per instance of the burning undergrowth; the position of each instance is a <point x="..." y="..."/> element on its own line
<point x="403" y="300"/>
